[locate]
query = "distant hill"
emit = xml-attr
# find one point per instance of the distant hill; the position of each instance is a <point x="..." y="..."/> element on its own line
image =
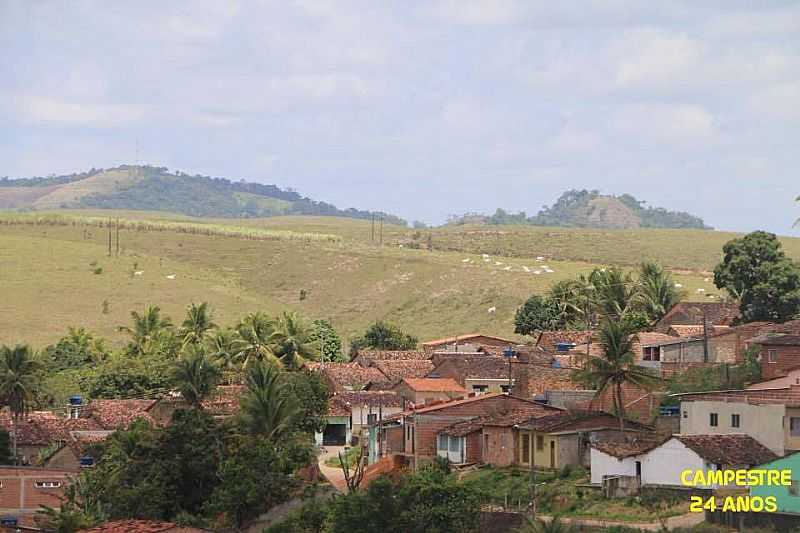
<point x="590" y="209"/>
<point x="157" y="189"/>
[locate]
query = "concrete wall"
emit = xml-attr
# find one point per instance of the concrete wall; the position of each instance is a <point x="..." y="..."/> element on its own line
<point x="663" y="465"/>
<point x="492" y="385"/>
<point x="603" y="464"/>
<point x="765" y="423"/>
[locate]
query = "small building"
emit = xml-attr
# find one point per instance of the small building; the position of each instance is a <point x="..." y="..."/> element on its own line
<point x="769" y="415"/>
<point x="562" y="439"/>
<point x="419" y="391"/>
<point x="23" y="490"/>
<point x="698" y="313"/>
<point x="788" y="498"/>
<point x="472" y="341"/>
<point x="397" y="370"/>
<point x="478" y="373"/>
<point x="778" y="352"/>
<point x="342" y="377"/>
<point x="661" y="463"/>
<point x="338" y="430"/>
<point x="369" y="408"/>
<point x="488" y="439"/>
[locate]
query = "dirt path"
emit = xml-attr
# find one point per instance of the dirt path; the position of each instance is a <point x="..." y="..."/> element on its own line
<point x="681" y="521"/>
<point x="334" y="475"/>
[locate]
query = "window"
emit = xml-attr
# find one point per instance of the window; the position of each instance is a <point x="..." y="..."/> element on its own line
<point x="539" y="442"/>
<point x="652" y="353"/>
<point x="772" y="356"/>
<point x="734" y="421"/>
<point x="714" y="421"/>
<point x="794" y="426"/>
<point x="526" y="448"/>
<point x="505" y="388"/>
<point x="794" y="488"/>
<point x="686" y="414"/>
<point x="442" y="442"/>
<point x="455" y="444"/>
<point x="371" y="419"/>
<point x="47" y="484"/>
<point x="480" y="389"/>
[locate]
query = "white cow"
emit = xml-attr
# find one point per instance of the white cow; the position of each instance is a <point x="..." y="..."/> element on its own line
<point x="492" y="310"/>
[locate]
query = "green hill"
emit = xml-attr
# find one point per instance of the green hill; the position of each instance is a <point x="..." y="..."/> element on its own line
<point x="156" y="189"/>
<point x="590" y="209"/>
<point x="50" y="279"/>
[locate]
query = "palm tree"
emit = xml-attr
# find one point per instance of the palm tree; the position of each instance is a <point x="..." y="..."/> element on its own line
<point x="257" y="337"/>
<point x="197" y="324"/>
<point x="657" y="293"/>
<point x="195" y="376"/>
<point x="65" y="519"/>
<point x="222" y="348"/>
<point x="615" y="292"/>
<point x="294" y="342"/>
<point x="18" y="383"/>
<point x="267" y="409"/>
<point x="616" y="368"/>
<point x="146" y="328"/>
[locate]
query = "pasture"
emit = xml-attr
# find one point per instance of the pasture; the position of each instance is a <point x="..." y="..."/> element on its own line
<point x="49" y="276"/>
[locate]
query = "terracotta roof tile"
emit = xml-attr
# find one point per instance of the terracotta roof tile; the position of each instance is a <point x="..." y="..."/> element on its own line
<point x="337" y="406"/>
<point x="465" y="338"/>
<point x="350" y="376"/>
<point x="373" y="398"/>
<point x="119" y="414"/>
<point x="473" y="366"/>
<point x="777" y="339"/>
<point x="224" y="401"/>
<point x="396" y="370"/>
<point x="692" y="313"/>
<point x="628" y="446"/>
<point x="139" y="526"/>
<point x="736" y="449"/>
<point x="432" y="385"/>
<point x="679" y="330"/>
<point x="580" y="421"/>
<point x="366" y="357"/>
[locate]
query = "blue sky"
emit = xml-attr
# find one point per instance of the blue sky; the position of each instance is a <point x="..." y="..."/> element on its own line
<point x="420" y="108"/>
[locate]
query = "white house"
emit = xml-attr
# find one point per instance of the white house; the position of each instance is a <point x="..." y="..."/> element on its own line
<point x="661" y="463"/>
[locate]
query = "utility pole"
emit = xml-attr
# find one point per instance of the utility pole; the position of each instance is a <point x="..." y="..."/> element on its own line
<point x="109" y="237"/>
<point x="372" y="234"/>
<point x="381" y="241"/>
<point x="705" y="337"/>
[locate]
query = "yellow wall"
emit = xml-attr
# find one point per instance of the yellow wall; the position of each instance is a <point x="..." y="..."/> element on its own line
<point x="542" y="456"/>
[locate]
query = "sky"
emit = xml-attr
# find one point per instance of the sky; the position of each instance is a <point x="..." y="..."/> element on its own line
<point x="422" y="109"/>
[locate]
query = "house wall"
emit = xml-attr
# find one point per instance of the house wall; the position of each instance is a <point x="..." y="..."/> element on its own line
<point x="64" y="458"/>
<point x="791" y="443"/>
<point x="663" y="465"/>
<point x="19" y="495"/>
<point x="569" y="450"/>
<point x="360" y="415"/>
<point x="792" y="377"/>
<point x="428" y="425"/>
<point x="765" y="423"/>
<point x="501" y="451"/>
<point x="393" y="440"/>
<point x="787" y="357"/>
<point x="420" y="397"/>
<point x="603" y="464"/>
<point x="493" y="385"/>
<point x="474" y="447"/>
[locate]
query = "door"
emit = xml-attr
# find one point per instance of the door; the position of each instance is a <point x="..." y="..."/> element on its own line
<point x="639" y="470"/>
<point x="552" y="454"/>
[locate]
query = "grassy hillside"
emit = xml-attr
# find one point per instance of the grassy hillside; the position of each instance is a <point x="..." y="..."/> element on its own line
<point x="49" y="280"/>
<point x="157" y="189"/>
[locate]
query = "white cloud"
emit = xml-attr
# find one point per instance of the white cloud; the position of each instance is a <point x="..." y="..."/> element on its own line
<point x="678" y="124"/>
<point x="781" y="101"/>
<point x="45" y="109"/>
<point x="655" y="57"/>
<point x="477" y="12"/>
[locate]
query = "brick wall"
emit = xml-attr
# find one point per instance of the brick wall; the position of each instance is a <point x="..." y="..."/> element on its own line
<point x="787" y="357"/>
<point x="20" y="494"/>
<point x="639" y="404"/>
<point x="501" y="450"/>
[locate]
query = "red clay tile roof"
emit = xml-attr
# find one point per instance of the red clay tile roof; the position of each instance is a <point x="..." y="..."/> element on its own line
<point x="580" y="421"/>
<point x="542" y="378"/>
<point x="691" y="313"/>
<point x="646" y="338"/>
<point x="679" y="330"/>
<point x="777" y="339"/>
<point x="33" y="429"/>
<point x="373" y="398"/>
<point x="350" y="376"/>
<point x="337" y="406"/>
<point x="736" y="449"/>
<point x="432" y="385"/>
<point x="119" y="414"/>
<point x="473" y="366"/>
<point x="367" y="356"/>
<point x="224" y="401"/>
<point x="466" y="338"/>
<point x="507" y="419"/>
<point x="396" y="370"/>
<point x="630" y="445"/>
<point x="479" y="398"/>
<point x="139" y="526"/>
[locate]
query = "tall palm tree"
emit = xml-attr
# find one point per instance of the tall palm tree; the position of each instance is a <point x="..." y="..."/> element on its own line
<point x="615" y="292"/>
<point x="195" y="375"/>
<point x="267" y="409"/>
<point x="257" y="337"/>
<point x="616" y="368"/>
<point x="198" y="322"/>
<point x="222" y="348"/>
<point x="295" y="341"/>
<point x="19" y="382"/>
<point x="657" y="293"/>
<point x="146" y="328"/>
